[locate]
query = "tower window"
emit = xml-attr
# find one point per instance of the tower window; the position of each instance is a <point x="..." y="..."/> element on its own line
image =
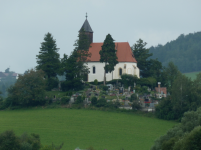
<point x="120" y="71"/>
<point x="94" y="69"/>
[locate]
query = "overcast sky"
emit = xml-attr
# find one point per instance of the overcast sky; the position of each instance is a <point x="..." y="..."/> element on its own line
<point x="25" y="22"/>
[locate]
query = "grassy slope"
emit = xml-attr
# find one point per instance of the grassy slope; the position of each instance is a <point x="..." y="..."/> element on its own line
<point x="102" y="130"/>
<point x="191" y="75"/>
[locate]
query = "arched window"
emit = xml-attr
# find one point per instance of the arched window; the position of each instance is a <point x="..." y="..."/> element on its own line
<point x="120" y="71"/>
<point x="94" y="69"/>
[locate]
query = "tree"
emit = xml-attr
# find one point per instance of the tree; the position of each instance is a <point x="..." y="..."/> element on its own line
<point x="171" y="72"/>
<point x="184" y="52"/>
<point x="129" y="80"/>
<point x="9" y="141"/>
<point x="108" y="55"/>
<point x="7" y="70"/>
<point x="74" y="66"/>
<point x="29" y="89"/>
<point x="183" y="136"/>
<point x="141" y="55"/>
<point x="48" y="59"/>
<point x="74" y="72"/>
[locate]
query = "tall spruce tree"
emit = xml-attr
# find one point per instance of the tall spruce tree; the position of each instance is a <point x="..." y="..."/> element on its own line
<point x="141" y="54"/>
<point x="108" y="55"/>
<point x="48" y="60"/>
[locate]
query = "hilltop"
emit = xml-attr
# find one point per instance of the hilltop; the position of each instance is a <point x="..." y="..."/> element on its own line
<point x="184" y="52"/>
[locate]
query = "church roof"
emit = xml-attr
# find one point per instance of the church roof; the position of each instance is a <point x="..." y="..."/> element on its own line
<point x="124" y="52"/>
<point x="86" y="26"/>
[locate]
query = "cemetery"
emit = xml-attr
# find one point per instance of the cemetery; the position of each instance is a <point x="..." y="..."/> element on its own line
<point x="115" y="93"/>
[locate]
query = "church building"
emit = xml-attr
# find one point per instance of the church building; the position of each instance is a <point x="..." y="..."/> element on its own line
<point x="127" y="62"/>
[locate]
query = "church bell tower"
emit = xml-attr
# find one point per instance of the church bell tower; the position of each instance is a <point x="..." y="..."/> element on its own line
<point x="88" y="30"/>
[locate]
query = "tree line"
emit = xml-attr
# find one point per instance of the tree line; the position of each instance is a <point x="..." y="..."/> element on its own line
<point x="184" y="52"/>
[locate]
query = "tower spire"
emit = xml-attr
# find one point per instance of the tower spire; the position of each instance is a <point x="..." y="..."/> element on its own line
<point x="87" y="29"/>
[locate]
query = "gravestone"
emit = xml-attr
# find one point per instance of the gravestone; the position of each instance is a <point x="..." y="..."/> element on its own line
<point x="126" y="102"/>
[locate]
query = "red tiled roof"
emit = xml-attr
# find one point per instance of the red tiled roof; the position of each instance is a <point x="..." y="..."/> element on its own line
<point x="124" y="52"/>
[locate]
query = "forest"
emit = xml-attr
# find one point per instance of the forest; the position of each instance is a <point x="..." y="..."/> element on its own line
<point x="184" y="52"/>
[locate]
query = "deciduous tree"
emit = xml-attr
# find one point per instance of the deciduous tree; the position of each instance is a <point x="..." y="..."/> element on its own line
<point x="29" y="89"/>
<point x="74" y="66"/>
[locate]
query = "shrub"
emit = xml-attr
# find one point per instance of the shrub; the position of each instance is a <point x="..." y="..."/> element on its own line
<point x="79" y="100"/>
<point x="69" y="93"/>
<point x="105" y="88"/>
<point x="95" y="82"/>
<point x="101" y="102"/>
<point x="94" y="101"/>
<point x="9" y="141"/>
<point x="133" y="97"/>
<point x="65" y="100"/>
<point x="136" y="106"/>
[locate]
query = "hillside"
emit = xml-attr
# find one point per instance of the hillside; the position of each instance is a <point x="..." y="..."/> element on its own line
<point x="184" y="52"/>
<point x="83" y="128"/>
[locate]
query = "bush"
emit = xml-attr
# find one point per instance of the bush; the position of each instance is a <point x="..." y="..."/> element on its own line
<point x="133" y="97"/>
<point x="105" y="88"/>
<point x="95" y="82"/>
<point x="94" y="101"/>
<point x="79" y="100"/>
<point x="9" y="141"/>
<point x="136" y="106"/>
<point x="69" y="93"/>
<point x="101" y="102"/>
<point x="183" y="136"/>
<point x="65" y="100"/>
<point x="128" y="80"/>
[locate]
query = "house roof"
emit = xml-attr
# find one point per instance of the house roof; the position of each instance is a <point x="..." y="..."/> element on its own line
<point x="86" y="26"/>
<point x="2" y="74"/>
<point x="162" y="89"/>
<point x="124" y="52"/>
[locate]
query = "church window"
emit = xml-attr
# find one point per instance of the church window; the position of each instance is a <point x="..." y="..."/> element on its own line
<point x="94" y="69"/>
<point x="120" y="71"/>
<point x="124" y="66"/>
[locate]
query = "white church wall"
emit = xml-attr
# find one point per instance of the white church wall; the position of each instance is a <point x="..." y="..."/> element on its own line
<point x="127" y="68"/>
<point x="131" y="68"/>
<point x="99" y="73"/>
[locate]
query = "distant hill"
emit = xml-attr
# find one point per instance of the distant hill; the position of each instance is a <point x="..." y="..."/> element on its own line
<point x="184" y="52"/>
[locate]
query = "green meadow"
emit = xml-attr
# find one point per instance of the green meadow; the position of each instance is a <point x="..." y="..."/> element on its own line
<point x="83" y="128"/>
<point x="191" y="75"/>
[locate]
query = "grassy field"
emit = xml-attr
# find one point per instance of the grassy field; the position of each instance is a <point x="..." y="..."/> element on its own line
<point x="191" y="75"/>
<point x="84" y="128"/>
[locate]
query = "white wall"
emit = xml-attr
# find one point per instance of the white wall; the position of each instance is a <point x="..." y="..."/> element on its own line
<point x="131" y="68"/>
